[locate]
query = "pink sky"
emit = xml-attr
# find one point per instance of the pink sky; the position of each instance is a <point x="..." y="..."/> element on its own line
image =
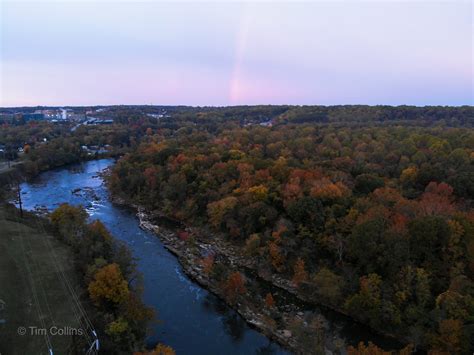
<point x="209" y="53"/>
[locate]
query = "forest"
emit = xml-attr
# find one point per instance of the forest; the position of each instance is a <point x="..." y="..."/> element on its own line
<point x="374" y="218"/>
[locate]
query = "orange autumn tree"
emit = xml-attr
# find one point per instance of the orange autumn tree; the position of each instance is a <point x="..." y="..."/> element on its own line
<point x="269" y="301"/>
<point x="109" y="285"/>
<point x="372" y="349"/>
<point x="448" y="339"/>
<point x="160" y="349"/>
<point x="97" y="233"/>
<point x="437" y="200"/>
<point x="300" y="274"/>
<point x="325" y="189"/>
<point x="276" y="256"/>
<point x="234" y="286"/>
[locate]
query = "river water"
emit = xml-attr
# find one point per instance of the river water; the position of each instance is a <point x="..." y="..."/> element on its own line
<point x="191" y="320"/>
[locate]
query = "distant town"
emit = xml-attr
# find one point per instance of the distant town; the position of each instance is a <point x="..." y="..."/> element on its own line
<point x="80" y="115"/>
<point x="71" y="118"/>
<point x="54" y="115"/>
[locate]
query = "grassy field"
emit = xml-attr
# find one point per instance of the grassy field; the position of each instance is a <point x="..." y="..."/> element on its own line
<point x="31" y="291"/>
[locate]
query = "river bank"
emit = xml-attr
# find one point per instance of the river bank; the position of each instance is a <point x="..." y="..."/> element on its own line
<point x="292" y="322"/>
<point x="192" y="319"/>
<point x="190" y="259"/>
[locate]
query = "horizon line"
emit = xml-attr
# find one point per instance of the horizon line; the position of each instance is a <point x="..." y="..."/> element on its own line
<point x="241" y="105"/>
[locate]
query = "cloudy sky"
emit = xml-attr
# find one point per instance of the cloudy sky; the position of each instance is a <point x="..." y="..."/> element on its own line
<point x="228" y="53"/>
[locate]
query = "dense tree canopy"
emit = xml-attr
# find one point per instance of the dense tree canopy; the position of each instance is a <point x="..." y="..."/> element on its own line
<point x="376" y="219"/>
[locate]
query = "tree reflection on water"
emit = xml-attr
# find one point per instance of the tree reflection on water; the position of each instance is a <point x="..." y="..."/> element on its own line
<point x="234" y="324"/>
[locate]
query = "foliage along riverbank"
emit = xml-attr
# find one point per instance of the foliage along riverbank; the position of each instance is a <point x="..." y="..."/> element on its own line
<point x="270" y="305"/>
<point x="109" y="275"/>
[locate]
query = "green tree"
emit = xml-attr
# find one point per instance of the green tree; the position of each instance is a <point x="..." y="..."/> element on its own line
<point x="328" y="285"/>
<point x="366" y="183"/>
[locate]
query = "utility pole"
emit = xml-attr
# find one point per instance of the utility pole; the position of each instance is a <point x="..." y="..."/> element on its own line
<point x="19" y="199"/>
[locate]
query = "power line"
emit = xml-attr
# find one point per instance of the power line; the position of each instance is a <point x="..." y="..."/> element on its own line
<point x="80" y="315"/>
<point x="32" y="285"/>
<point x="62" y="278"/>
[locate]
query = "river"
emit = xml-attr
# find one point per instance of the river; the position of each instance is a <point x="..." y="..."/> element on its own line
<point x="191" y="320"/>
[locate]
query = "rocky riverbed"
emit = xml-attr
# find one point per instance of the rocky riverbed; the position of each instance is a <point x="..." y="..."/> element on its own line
<point x="293" y="325"/>
<point x="190" y="258"/>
